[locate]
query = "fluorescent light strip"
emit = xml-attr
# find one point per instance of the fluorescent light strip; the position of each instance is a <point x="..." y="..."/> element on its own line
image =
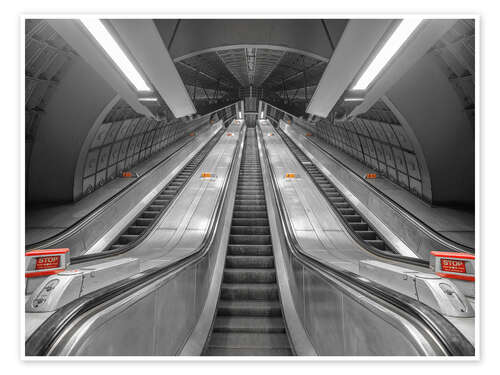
<point x="109" y="44"/>
<point x="353" y="99"/>
<point x="393" y="44"/>
<point x="148" y="99"/>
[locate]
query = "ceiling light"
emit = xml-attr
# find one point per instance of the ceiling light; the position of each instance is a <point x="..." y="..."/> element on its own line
<point x="396" y="40"/>
<point x="114" y="51"/>
<point x="353" y="99"/>
<point x="148" y="99"/>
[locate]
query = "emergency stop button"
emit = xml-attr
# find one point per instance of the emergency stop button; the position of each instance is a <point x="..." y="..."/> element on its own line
<point x="453" y="265"/>
<point x="45" y="262"/>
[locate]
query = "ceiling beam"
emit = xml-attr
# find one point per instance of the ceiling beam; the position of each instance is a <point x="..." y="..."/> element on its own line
<point x="355" y="46"/>
<point x="424" y="39"/>
<point x="74" y="33"/>
<point x="145" y="44"/>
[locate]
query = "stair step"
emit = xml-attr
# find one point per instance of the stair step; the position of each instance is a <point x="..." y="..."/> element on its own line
<point x="249" y="324"/>
<point x="250" y="214"/>
<point x="244" y="261"/>
<point x="127" y="238"/>
<point x="379" y="244"/>
<point x="359" y="226"/>
<point x="247" y="239"/>
<point x="249" y="250"/>
<point x="249" y="275"/>
<point x="367" y="234"/>
<point x="249" y="340"/>
<point x="249" y="292"/>
<point x="250" y="222"/>
<point x="250" y="230"/>
<point x="241" y="207"/>
<point x="135" y="229"/>
<point x="222" y="352"/>
<point x="249" y="308"/>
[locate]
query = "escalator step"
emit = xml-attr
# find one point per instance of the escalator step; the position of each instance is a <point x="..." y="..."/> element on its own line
<point x="249" y="230"/>
<point x="244" y="261"/>
<point x="250" y="221"/>
<point x="250" y="250"/>
<point x="249" y="308"/>
<point x="359" y="226"/>
<point x="267" y="292"/>
<point x="246" y="239"/>
<point x="249" y="324"/>
<point x="367" y="234"/>
<point x="379" y="244"/>
<point x="249" y="275"/>
<point x="222" y="347"/>
<point x="135" y="229"/>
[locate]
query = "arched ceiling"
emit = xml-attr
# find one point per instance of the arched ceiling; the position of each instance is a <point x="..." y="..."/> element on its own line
<point x="280" y="59"/>
<point x="270" y="71"/>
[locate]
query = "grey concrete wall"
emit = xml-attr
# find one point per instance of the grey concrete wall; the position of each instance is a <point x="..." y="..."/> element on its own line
<point x="427" y="100"/>
<point x="70" y="113"/>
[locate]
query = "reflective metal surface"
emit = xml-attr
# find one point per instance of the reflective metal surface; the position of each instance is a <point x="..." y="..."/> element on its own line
<point x="151" y="319"/>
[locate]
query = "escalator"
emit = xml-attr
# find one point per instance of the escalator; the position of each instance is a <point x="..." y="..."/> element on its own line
<point x="350" y="217"/>
<point x="249" y="318"/>
<point x="146" y="220"/>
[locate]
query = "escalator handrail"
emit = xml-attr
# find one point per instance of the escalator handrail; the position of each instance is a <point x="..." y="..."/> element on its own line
<point x="425" y="228"/>
<point x="451" y="338"/>
<point x="82" y="222"/>
<point x="42" y="339"/>
<point x="395" y="256"/>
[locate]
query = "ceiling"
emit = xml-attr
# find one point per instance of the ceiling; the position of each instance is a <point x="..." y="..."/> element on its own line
<point x="271" y="72"/>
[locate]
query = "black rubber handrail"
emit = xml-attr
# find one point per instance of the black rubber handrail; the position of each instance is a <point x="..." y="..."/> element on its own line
<point x="82" y="222"/>
<point x="448" y="335"/>
<point x="366" y="246"/>
<point x="47" y="334"/>
<point x="431" y="232"/>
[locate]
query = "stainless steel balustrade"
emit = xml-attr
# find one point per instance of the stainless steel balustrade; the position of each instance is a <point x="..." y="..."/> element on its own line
<point x="346" y="315"/>
<point x="87" y="234"/>
<point x="152" y="313"/>
<point x="411" y="230"/>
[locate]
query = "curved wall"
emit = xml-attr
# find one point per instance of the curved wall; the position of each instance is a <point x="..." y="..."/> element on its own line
<point x="68" y="117"/>
<point x="377" y="140"/>
<point x="425" y="97"/>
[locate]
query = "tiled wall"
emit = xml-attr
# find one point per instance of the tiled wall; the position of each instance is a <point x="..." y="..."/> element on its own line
<point x="377" y="140"/>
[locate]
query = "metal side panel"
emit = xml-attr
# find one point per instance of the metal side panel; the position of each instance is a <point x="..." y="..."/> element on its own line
<point x="159" y="316"/>
<point x="143" y="194"/>
<point x="182" y="229"/>
<point x="341" y="320"/>
<point x="316" y="227"/>
<point x="385" y="219"/>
